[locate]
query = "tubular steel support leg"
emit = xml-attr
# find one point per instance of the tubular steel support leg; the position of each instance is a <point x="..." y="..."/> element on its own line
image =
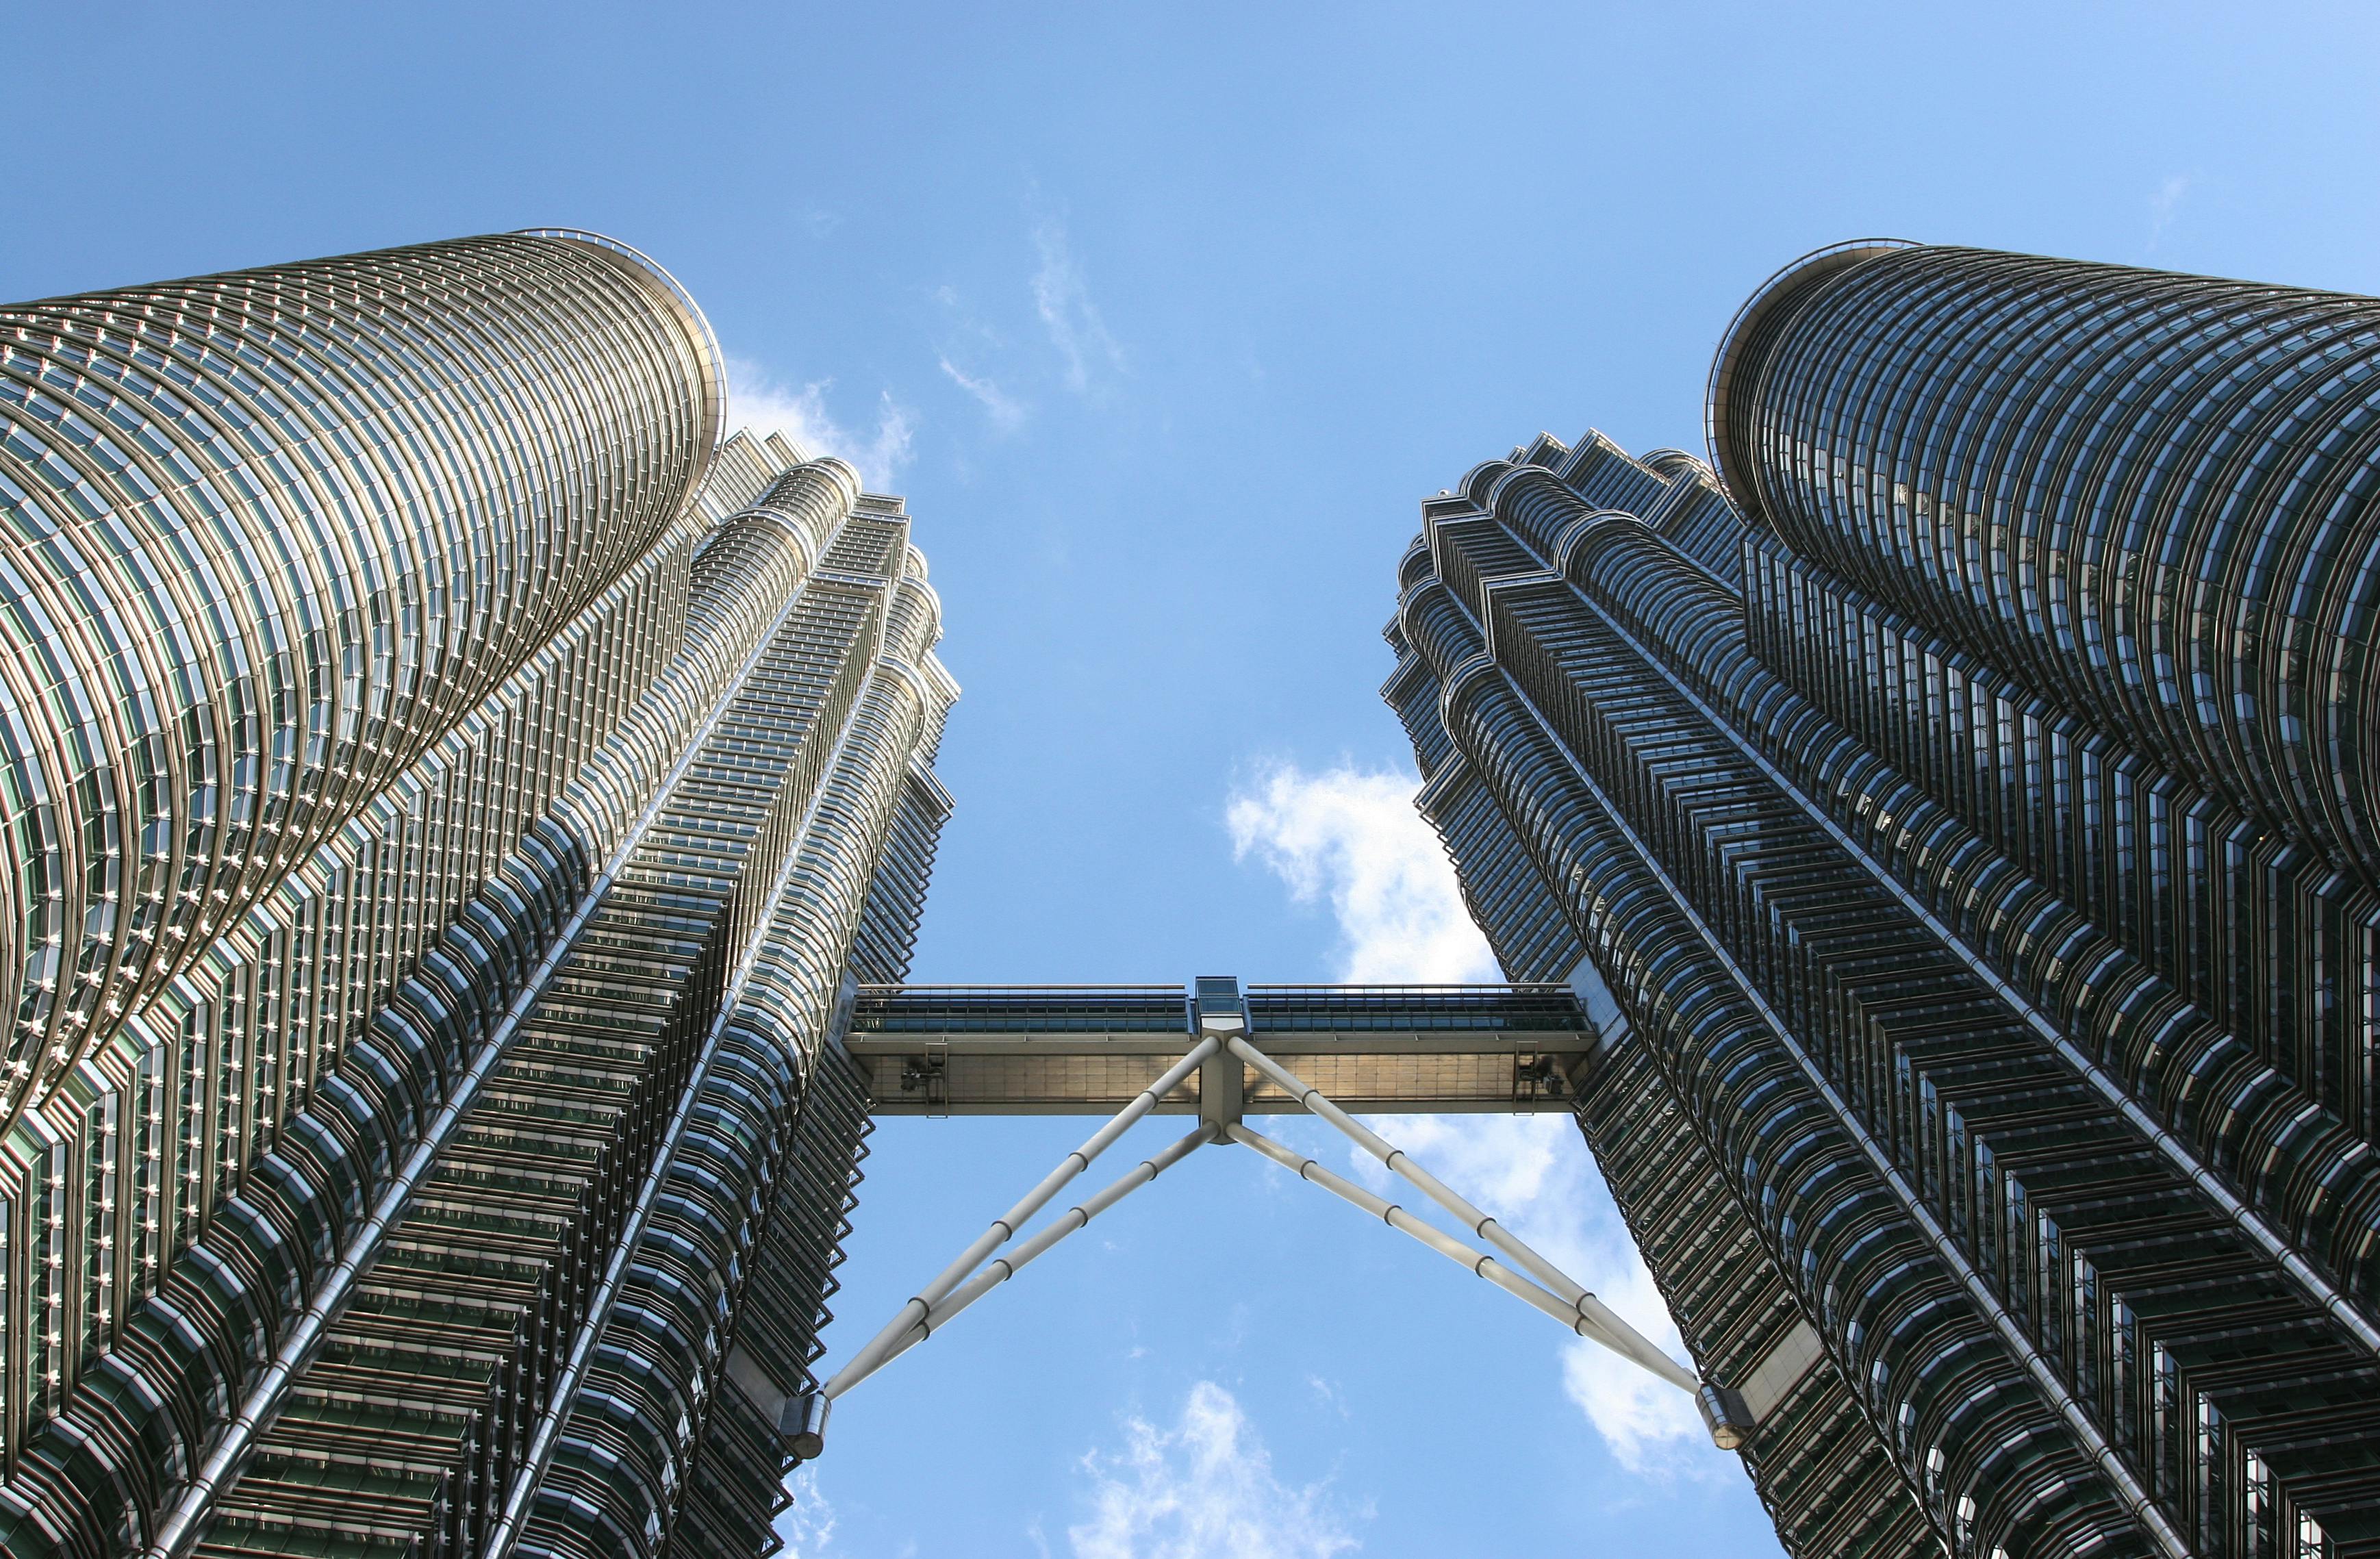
<point x="882" y="1346"/>
<point x="1000" y="1269"/>
<point x="1446" y="1245"/>
<point x="1606" y="1326"/>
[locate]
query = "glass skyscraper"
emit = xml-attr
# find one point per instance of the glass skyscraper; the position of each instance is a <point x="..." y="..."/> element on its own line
<point x="1961" y="802"/>
<point x="447" y="793"/>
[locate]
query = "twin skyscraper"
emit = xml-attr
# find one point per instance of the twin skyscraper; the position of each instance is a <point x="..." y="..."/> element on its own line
<point x="1968" y="785"/>
<point x="465" y="813"/>
<point x="448" y="791"/>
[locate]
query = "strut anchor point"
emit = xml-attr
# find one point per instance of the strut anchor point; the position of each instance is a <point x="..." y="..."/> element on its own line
<point x="1723" y="1410"/>
<point x="803" y="1425"/>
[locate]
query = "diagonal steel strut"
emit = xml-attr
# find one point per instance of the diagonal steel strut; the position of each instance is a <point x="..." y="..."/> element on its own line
<point x="970" y="1277"/>
<point x="1592" y="1317"/>
<point x="1000" y="1269"/>
<point x="1479" y="1261"/>
<point x="921" y="1306"/>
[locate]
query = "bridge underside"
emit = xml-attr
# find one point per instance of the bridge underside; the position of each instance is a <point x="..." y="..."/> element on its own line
<point x="1223" y="1050"/>
<point x="1059" y="1049"/>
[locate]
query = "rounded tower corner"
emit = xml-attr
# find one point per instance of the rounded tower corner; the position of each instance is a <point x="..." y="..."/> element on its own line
<point x="1786" y="287"/>
<point x="656" y="279"/>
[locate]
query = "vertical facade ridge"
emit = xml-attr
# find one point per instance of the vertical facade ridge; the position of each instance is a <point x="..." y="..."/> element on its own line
<point x="276" y="567"/>
<point x="1979" y="860"/>
<point x="319" y="1241"/>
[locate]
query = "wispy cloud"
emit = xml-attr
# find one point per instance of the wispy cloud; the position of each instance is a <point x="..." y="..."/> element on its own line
<point x="806" y="1528"/>
<point x="2164" y="204"/>
<point x="1007" y="413"/>
<point x="1204" y="1489"/>
<point x="1064" y="301"/>
<point x="758" y="400"/>
<point x="1534" y="1175"/>
<point x="1353" y="837"/>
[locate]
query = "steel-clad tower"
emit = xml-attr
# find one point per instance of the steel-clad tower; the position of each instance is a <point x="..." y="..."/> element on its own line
<point x="467" y="824"/>
<point x="447" y="794"/>
<point x="1962" y="796"/>
<point x="465" y="820"/>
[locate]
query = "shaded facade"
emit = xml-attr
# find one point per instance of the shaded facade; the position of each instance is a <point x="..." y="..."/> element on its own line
<point x="448" y="795"/>
<point x="1959" y="797"/>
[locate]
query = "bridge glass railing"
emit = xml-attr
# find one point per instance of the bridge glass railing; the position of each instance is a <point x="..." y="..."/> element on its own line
<point x="1165" y="1009"/>
<point x="1021" y="1009"/>
<point x="1279" y="1009"/>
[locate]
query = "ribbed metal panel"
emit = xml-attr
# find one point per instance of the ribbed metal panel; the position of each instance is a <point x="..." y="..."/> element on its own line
<point x="425" y="1098"/>
<point x="1973" y="1025"/>
<point x="272" y="534"/>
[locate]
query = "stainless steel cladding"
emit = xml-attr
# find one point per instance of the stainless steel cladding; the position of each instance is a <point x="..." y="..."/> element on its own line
<point x="445" y="781"/>
<point x="2151" y="497"/>
<point x="1962" y="791"/>
<point x="272" y="534"/>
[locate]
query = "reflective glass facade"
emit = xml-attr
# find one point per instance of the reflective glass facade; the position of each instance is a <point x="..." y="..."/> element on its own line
<point x="450" y="794"/>
<point x="1960" y="796"/>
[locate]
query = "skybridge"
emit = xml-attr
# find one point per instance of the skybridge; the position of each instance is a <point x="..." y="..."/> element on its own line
<point x="1223" y="1052"/>
<point x="1083" y="1050"/>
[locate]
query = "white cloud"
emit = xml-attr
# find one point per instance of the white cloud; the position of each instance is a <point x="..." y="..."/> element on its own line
<point x="1355" y="838"/>
<point x="2164" y="204"/>
<point x="1064" y="301"/>
<point x="1204" y="1489"/>
<point x="1007" y="413"/>
<point x="757" y="400"/>
<point x="1534" y="1175"/>
<point x="806" y="1528"/>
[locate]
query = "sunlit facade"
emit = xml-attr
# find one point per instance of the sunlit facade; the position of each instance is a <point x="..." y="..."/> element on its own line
<point x="448" y="792"/>
<point x="1962" y="800"/>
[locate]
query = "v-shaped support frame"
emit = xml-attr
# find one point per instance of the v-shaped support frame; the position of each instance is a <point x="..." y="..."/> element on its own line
<point x="977" y="1270"/>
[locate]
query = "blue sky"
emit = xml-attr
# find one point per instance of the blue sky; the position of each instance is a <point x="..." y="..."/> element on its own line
<point x="1164" y="318"/>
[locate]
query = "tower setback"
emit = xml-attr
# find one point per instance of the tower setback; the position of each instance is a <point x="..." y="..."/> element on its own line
<point x="1959" y="796"/>
<point x="464" y="822"/>
<point x="449" y="793"/>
